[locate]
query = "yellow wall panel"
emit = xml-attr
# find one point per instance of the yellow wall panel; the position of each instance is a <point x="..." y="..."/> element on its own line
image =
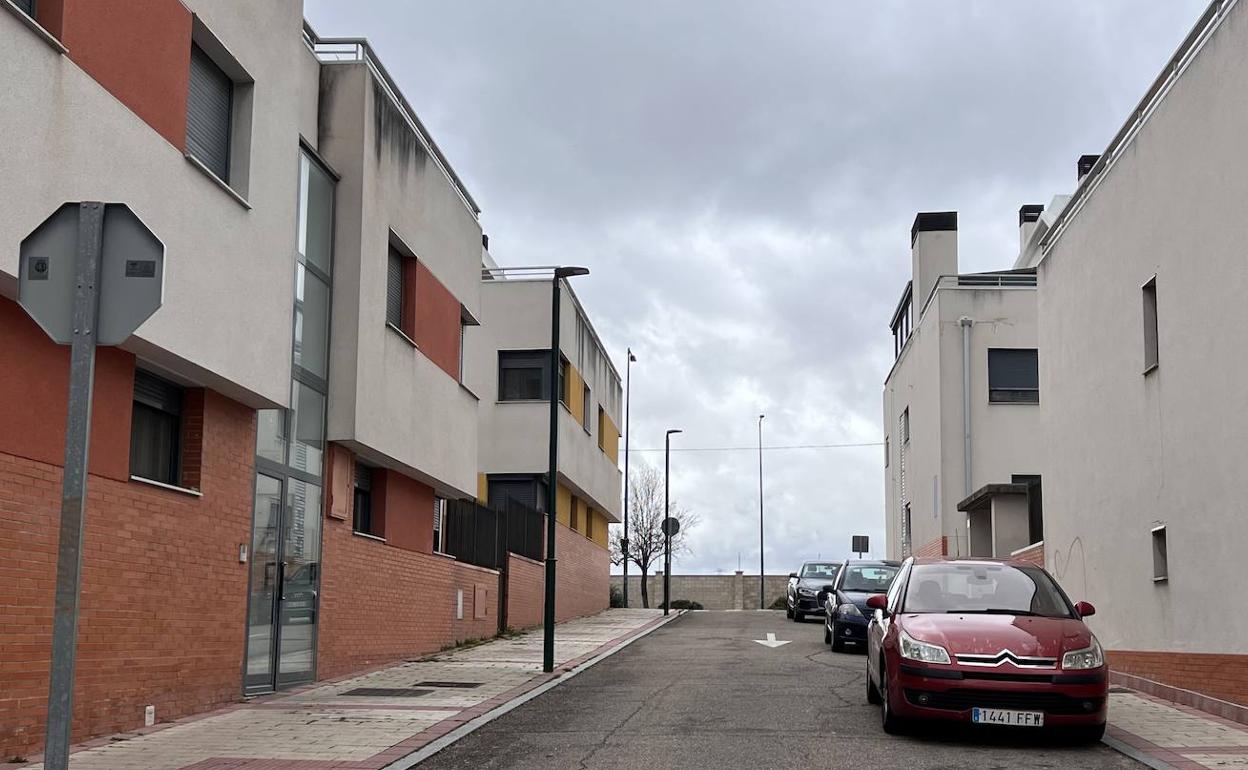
<point x="563" y="505"/>
<point x="609" y="437"/>
<point x="483" y="488"/>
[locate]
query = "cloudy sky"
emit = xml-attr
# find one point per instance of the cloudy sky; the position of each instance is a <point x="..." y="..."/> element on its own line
<point x="741" y="178"/>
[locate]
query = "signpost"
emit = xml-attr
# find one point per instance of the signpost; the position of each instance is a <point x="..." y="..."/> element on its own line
<point x="862" y="544"/>
<point x="89" y="275"/>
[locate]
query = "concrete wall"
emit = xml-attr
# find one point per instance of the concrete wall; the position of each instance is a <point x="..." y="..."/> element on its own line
<point x="713" y="592"/>
<point x="515" y="315"/>
<point x="927" y="379"/>
<point x="1131" y="451"/>
<point x="391" y="401"/>
<point x="229" y="270"/>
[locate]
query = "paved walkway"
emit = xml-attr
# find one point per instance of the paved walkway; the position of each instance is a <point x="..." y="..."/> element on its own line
<point x="362" y="723"/>
<point x="1168" y="735"/>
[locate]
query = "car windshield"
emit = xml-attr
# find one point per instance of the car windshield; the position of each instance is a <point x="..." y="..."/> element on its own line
<point x="984" y="588"/>
<point x="818" y="569"/>
<point x="874" y="579"/>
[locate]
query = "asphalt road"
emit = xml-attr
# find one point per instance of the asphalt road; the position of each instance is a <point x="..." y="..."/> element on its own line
<point x="698" y="693"/>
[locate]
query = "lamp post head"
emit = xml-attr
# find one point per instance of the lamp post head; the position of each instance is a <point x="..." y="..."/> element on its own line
<point x="631" y="358"/>
<point x="674" y="430"/>
<point x="569" y="272"/>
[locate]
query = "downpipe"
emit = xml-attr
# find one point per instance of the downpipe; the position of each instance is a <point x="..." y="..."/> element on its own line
<point x="966" y="324"/>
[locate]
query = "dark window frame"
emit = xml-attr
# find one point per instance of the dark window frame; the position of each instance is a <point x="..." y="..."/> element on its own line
<point x="362" y="502"/>
<point x="396" y="288"/>
<point x="161" y="403"/>
<point x="1152" y="353"/>
<point x="565" y="382"/>
<point x="1014" y="389"/>
<point x="201" y="58"/>
<point x="527" y="360"/>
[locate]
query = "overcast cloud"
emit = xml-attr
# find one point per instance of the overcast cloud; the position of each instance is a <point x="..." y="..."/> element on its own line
<point x="741" y="178"/>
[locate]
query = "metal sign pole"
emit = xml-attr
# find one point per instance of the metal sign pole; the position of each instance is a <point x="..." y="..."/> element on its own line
<point x="74" y="485"/>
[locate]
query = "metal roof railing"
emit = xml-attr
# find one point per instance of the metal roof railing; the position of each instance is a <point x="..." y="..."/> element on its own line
<point x="356" y="50"/>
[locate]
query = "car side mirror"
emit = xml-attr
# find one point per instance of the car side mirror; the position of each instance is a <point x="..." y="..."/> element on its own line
<point x="1085" y="609"/>
<point x="792" y="574"/>
<point x="878" y="602"/>
<point x="827" y="589"/>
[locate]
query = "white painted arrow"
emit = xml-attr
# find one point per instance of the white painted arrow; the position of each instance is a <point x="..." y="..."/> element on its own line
<point x="770" y="641"/>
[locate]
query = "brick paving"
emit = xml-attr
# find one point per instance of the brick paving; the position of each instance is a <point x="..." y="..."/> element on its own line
<point x="1175" y="735"/>
<point x="321" y="727"/>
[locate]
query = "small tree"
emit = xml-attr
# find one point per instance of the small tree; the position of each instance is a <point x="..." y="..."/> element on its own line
<point x="645" y="522"/>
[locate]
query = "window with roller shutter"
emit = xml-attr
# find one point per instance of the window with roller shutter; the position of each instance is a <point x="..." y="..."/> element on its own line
<point x="209" y="109"/>
<point x="395" y="291"/>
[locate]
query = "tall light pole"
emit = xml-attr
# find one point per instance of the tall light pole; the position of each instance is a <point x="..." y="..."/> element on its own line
<point x="667" y="514"/>
<point x="628" y="397"/>
<point x="762" y="580"/>
<point x="552" y="476"/>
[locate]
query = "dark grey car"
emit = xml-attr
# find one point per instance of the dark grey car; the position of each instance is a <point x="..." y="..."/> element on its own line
<point x="804" y="588"/>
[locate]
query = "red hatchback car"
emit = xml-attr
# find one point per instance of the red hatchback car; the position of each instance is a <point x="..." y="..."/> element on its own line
<point x="986" y="642"/>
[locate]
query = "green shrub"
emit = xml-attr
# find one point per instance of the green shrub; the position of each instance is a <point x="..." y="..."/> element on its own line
<point x="780" y="604"/>
<point x="617" y="598"/>
<point x="686" y="604"/>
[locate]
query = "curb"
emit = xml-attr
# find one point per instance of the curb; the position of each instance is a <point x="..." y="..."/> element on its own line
<point x="556" y="678"/>
<point x="1134" y="753"/>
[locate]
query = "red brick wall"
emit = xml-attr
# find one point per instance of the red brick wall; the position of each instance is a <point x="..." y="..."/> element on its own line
<point x="163" y="602"/>
<point x="1032" y="554"/>
<point x="381" y="604"/>
<point x="937" y="547"/>
<point x="525" y="592"/>
<point x="1220" y="676"/>
<point x="583" y="575"/>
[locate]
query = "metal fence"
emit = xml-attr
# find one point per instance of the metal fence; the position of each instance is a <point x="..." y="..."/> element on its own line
<point x="482" y="536"/>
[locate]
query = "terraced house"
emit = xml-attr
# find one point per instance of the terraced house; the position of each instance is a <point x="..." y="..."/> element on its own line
<point x="275" y="450"/>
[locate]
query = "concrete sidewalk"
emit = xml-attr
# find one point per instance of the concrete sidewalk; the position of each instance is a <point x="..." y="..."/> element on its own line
<point x="1169" y="736"/>
<point x="361" y="722"/>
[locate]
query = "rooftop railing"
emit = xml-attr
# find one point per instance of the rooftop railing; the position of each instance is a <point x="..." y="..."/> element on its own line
<point x="356" y="50"/>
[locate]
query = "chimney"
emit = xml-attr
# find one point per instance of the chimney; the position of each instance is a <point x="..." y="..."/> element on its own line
<point x="934" y="252"/>
<point x="1086" y="162"/>
<point x="1028" y="218"/>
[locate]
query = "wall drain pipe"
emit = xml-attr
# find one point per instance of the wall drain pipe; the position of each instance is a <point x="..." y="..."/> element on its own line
<point x="966" y="324"/>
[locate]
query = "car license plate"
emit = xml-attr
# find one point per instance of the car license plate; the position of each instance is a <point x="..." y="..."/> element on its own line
<point x="1009" y="718"/>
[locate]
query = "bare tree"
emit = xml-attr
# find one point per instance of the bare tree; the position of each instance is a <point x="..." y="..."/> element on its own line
<point x="645" y="522"/>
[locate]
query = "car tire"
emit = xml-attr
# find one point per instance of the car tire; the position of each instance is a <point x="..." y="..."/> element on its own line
<point x="1083" y="736"/>
<point x="838" y="644"/>
<point x="788" y="611"/>
<point x="799" y="617"/>
<point x="892" y="724"/>
<point x="827" y="636"/>
<point x="873" y="693"/>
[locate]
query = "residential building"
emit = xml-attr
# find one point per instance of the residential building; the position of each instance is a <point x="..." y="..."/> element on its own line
<point x="274" y="450"/>
<point x="1142" y="280"/>
<point x="509" y="367"/>
<point x="961" y="403"/>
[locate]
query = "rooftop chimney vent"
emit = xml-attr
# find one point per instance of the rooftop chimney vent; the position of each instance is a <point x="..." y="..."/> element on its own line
<point x="1086" y="162"/>
<point x="933" y="221"/>
<point x="1030" y="213"/>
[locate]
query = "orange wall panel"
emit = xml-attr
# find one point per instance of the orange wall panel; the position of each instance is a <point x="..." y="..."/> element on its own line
<point x="140" y="50"/>
<point x="437" y="321"/>
<point x="34" y="389"/>
<point x="407" y="506"/>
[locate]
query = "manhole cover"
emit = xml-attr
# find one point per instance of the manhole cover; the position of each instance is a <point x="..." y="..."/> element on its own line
<point x="451" y="685"/>
<point x="387" y="692"/>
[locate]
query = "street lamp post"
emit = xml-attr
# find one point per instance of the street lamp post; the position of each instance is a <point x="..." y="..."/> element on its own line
<point x="667" y="514"/>
<point x="762" y="580"/>
<point x="628" y="397"/>
<point x="552" y="483"/>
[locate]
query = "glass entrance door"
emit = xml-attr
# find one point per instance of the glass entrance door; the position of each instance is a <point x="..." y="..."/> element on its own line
<point x="265" y="584"/>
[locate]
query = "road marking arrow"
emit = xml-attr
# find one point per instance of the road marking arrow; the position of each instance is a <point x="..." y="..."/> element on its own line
<point x="770" y="641"/>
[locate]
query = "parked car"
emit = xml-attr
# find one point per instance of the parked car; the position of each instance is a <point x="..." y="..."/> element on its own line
<point x="804" y="586"/>
<point x="845" y="611"/>
<point x="986" y="642"/>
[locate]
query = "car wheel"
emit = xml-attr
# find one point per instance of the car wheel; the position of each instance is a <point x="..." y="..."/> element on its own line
<point x="827" y="636"/>
<point x="1087" y="735"/>
<point x="892" y="724"/>
<point x="873" y="693"/>
<point x="788" y="611"/>
<point x="838" y="644"/>
<point x="799" y="617"/>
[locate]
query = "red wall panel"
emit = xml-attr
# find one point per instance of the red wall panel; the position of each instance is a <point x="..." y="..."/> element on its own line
<point x="437" y="321"/>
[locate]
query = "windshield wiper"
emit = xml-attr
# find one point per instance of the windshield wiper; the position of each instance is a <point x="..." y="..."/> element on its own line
<point x="993" y="611"/>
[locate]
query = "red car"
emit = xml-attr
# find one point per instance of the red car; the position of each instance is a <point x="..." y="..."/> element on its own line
<point x="987" y="642"/>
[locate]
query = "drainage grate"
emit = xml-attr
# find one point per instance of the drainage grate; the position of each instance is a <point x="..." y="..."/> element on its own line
<point x="387" y="692"/>
<point x="451" y="685"/>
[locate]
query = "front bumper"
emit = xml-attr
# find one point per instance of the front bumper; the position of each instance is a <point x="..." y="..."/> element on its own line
<point x="951" y="692"/>
<point x="808" y="605"/>
<point x="850" y="628"/>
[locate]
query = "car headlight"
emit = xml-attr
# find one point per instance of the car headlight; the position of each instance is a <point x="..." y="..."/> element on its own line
<point x="850" y="609"/>
<point x="806" y="592"/>
<point x="1088" y="657"/>
<point x="913" y="649"/>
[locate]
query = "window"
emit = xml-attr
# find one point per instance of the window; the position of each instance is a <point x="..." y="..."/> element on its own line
<point x="589" y="523"/>
<point x="1161" y="567"/>
<point x="396" y="292"/>
<point x="26" y="6"/>
<point x="462" y="328"/>
<point x="905" y="426"/>
<point x="1151" y="358"/>
<point x="886" y="451"/>
<point x="156" y="429"/>
<point x="363" y="501"/>
<point x="602" y="428"/>
<point x="565" y="384"/>
<point x="209" y="109"/>
<point x="439" y="515"/>
<point x="586" y="400"/>
<point x="523" y="375"/>
<point x="1013" y="376"/>
<point x="574" y="520"/>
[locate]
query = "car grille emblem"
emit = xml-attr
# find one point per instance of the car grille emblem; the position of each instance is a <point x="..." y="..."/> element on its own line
<point x="1004" y="656"/>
